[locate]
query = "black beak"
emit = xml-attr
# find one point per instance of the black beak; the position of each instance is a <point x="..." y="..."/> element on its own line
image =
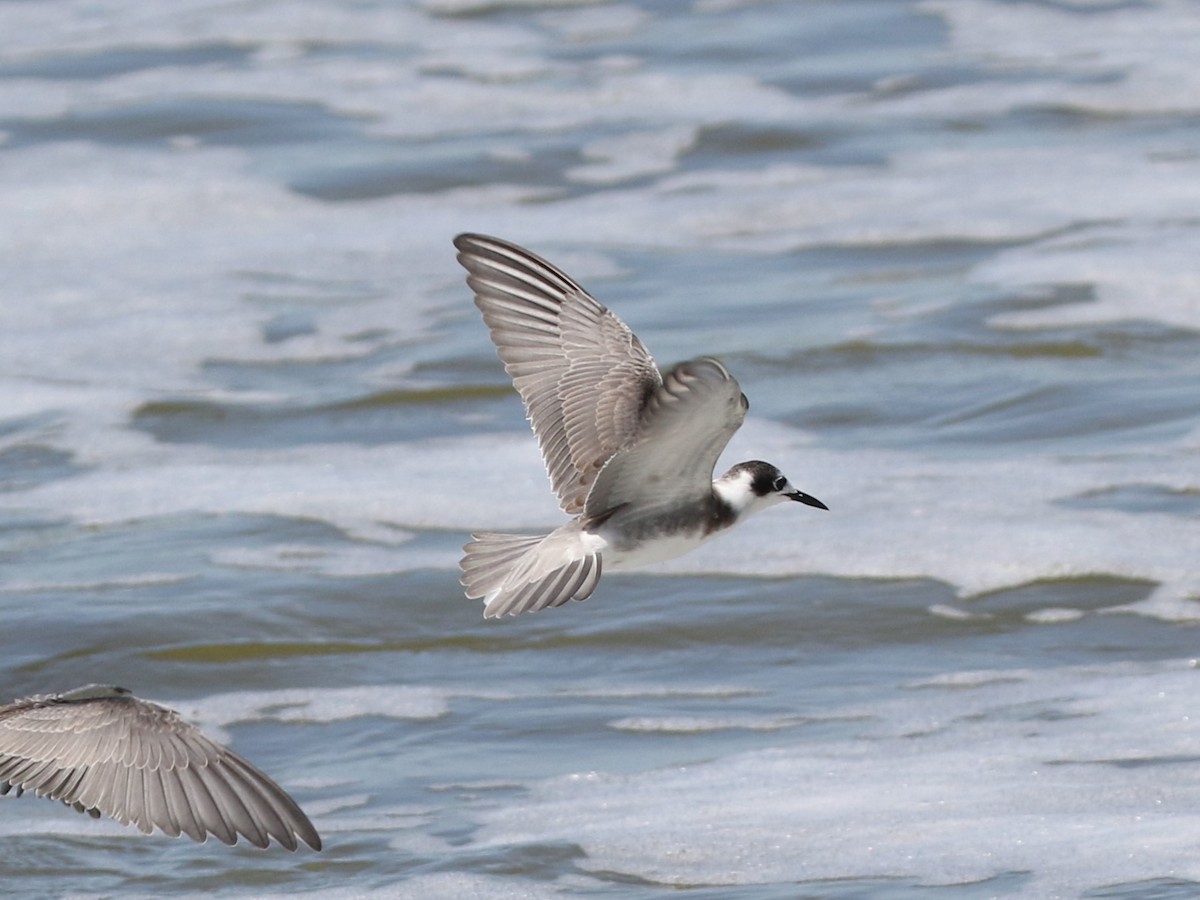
<point x="806" y="499"/>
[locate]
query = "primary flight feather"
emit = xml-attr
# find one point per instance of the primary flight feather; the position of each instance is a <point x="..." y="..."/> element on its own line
<point x="103" y="751"/>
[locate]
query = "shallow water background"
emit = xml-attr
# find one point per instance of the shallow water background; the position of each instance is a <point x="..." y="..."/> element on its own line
<point x="248" y="414"/>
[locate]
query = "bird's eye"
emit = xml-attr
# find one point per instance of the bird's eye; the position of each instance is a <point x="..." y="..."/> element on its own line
<point x="779" y="483"/>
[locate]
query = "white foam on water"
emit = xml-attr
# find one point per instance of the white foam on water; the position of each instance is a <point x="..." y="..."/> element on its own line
<point x="78" y="27"/>
<point x="978" y="524"/>
<point x="1121" y="59"/>
<point x="421" y="886"/>
<point x="395" y="819"/>
<point x="1054" y="614"/>
<point x="303" y="705"/>
<point x="1176" y="601"/>
<point x="142" y="579"/>
<point x="980" y="194"/>
<point x="1138" y="270"/>
<point x="596" y="22"/>
<point x="182" y="233"/>
<point x="633" y="155"/>
<point x="35" y="816"/>
<point x="967" y="679"/>
<point x="945" y="611"/>
<point x="356" y="561"/>
<point x="1056" y="772"/>
<point x="87" y="341"/>
<point x="628" y="691"/>
<point x="484" y="785"/>
<point x="1072" y="60"/>
<point x="700" y="724"/>
<point x="467" y="7"/>
<point x="922" y="197"/>
<point x="512" y="76"/>
<point x="371" y="493"/>
<point x="217" y="713"/>
<point x="986" y="194"/>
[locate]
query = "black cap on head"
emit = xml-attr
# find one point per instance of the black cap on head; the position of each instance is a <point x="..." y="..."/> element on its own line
<point x="766" y="479"/>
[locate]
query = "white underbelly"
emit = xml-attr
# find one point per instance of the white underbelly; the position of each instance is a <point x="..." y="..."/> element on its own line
<point x="650" y="552"/>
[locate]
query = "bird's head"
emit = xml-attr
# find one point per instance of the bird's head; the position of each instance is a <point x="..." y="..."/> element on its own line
<point x="754" y="485"/>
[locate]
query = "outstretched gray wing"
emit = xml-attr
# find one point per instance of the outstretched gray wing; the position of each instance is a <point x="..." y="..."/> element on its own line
<point x="685" y="426"/>
<point x="104" y="751"/>
<point x="583" y="375"/>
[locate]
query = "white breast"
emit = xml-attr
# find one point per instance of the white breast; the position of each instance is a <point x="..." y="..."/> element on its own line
<point x="652" y="551"/>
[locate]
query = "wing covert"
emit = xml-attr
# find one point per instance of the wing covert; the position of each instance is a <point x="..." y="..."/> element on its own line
<point x="583" y="376"/>
<point x="685" y="427"/>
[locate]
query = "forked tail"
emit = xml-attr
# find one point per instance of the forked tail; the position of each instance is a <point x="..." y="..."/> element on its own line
<point x="515" y="573"/>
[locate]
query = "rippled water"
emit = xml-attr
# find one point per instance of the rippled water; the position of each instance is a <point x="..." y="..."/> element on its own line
<point x="248" y="414"/>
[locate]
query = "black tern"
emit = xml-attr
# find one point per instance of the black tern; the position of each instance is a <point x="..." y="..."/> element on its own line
<point x="630" y="451"/>
<point x="102" y="750"/>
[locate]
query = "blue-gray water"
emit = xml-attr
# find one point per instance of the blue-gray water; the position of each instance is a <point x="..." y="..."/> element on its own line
<point x="248" y="413"/>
